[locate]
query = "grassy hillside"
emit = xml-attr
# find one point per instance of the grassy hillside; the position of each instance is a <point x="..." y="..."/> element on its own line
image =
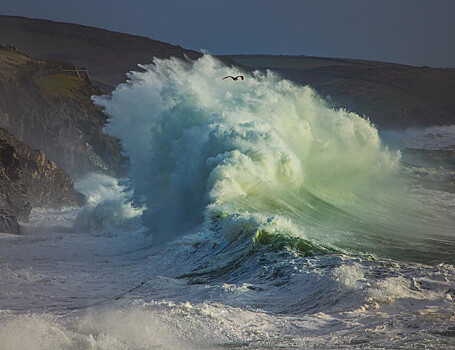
<point x="391" y="95"/>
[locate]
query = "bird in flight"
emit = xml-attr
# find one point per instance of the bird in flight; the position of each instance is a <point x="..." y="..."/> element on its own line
<point x="234" y="78"/>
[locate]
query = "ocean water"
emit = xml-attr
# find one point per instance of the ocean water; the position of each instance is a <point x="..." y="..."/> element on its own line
<point x="255" y="216"/>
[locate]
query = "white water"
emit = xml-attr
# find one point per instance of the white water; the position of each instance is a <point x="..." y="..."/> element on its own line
<point x="202" y="146"/>
<point x="264" y="154"/>
<point x="271" y="222"/>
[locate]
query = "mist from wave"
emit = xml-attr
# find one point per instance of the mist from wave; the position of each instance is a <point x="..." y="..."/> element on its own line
<point x="263" y="158"/>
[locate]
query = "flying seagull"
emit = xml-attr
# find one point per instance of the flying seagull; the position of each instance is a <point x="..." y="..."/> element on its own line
<point x="234" y="78"/>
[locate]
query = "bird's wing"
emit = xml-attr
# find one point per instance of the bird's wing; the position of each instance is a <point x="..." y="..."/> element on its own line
<point x="229" y="76"/>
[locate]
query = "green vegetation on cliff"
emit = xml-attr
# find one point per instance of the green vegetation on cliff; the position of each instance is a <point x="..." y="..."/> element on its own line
<point x="59" y="85"/>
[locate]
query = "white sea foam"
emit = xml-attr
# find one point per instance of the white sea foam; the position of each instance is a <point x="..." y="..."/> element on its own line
<point x="201" y="146"/>
<point x="235" y="156"/>
<point x="108" y="207"/>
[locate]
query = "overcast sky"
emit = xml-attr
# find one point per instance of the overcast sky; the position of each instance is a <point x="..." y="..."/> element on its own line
<point x="419" y="32"/>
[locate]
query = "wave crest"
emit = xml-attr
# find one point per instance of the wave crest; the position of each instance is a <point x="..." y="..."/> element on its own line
<point x="200" y="146"/>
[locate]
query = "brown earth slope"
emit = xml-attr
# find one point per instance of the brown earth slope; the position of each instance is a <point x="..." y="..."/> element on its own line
<point x="391" y="95"/>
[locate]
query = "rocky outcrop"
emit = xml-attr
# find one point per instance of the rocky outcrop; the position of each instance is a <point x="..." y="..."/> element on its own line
<point x="46" y="185"/>
<point x="28" y="178"/>
<point x="50" y="108"/>
<point x="13" y="200"/>
<point x="8" y="223"/>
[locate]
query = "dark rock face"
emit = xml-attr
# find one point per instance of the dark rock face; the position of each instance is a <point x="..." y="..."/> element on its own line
<point x="28" y="178"/>
<point x="13" y="191"/>
<point x="8" y="223"/>
<point x="51" y="109"/>
<point x="46" y="184"/>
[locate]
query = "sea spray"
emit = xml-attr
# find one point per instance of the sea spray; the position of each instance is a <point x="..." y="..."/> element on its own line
<point x="108" y="208"/>
<point x="206" y="151"/>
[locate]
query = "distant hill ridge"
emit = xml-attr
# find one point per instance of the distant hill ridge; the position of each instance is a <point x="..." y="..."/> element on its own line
<point x="390" y="95"/>
<point x="107" y="55"/>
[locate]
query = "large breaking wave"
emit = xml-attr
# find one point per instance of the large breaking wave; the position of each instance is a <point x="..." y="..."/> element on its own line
<point x="261" y="158"/>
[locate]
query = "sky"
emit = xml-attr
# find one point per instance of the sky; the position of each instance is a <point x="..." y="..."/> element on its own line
<point x="417" y="32"/>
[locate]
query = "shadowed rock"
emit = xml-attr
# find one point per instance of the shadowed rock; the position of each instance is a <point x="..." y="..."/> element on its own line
<point x="28" y="178"/>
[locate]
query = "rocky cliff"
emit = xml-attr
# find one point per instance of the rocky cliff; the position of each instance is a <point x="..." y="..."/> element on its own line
<point x="45" y="184"/>
<point x="28" y="179"/>
<point x="49" y="107"/>
<point x="13" y="200"/>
